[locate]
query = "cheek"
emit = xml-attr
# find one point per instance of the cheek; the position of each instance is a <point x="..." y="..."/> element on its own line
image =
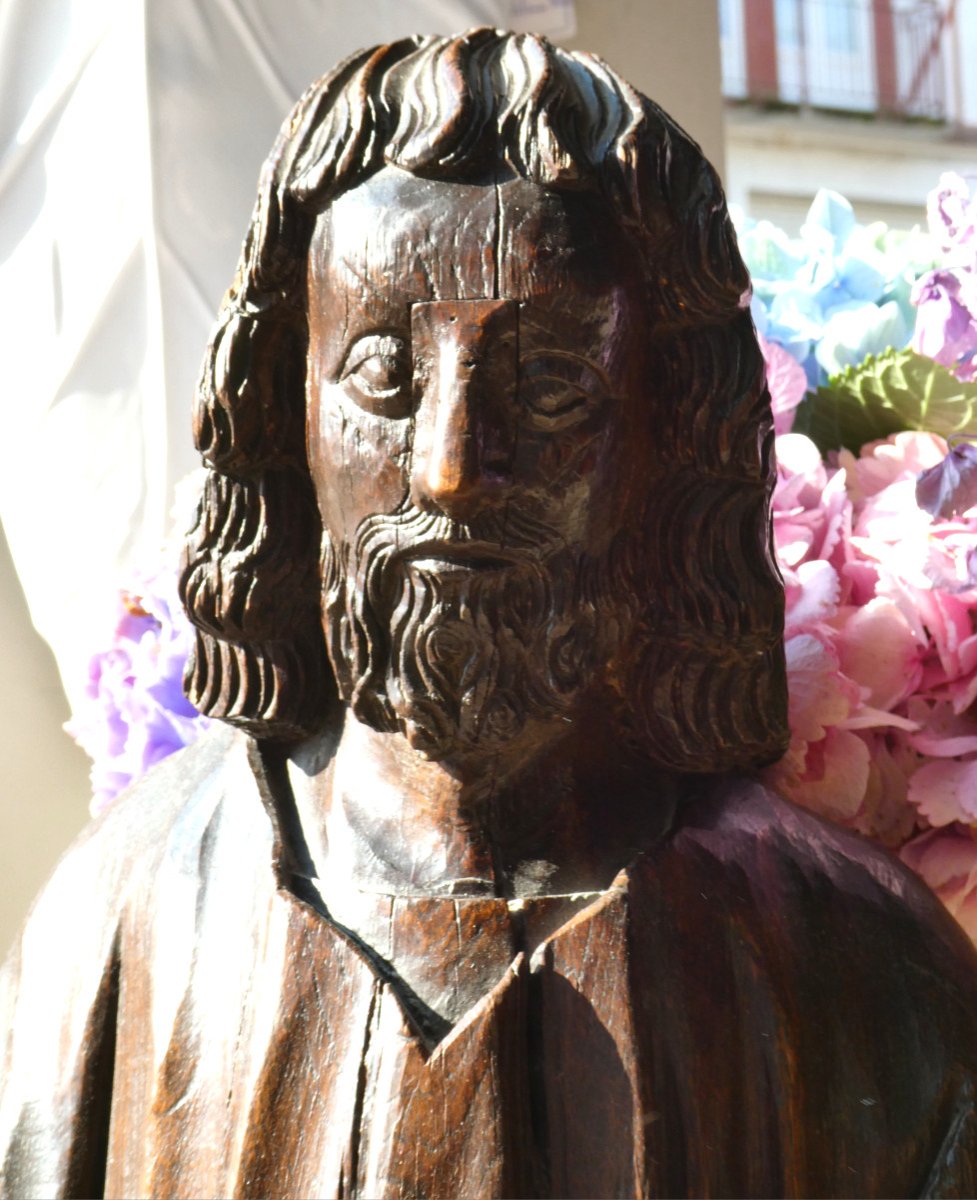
<point x="588" y="487"/>
<point x="358" y="461"/>
<point x="567" y="480"/>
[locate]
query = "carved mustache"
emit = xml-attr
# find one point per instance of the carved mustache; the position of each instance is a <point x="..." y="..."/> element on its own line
<point x="509" y="534"/>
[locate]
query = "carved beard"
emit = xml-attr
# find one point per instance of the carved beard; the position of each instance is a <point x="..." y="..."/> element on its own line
<point x="460" y="661"/>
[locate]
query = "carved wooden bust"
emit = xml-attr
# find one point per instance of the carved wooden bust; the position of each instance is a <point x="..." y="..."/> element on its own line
<point x="481" y="896"/>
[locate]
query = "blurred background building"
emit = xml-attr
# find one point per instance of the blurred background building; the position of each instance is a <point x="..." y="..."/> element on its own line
<point x="873" y="98"/>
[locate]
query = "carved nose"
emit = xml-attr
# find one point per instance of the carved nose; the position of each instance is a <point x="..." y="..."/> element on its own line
<point x="464" y="379"/>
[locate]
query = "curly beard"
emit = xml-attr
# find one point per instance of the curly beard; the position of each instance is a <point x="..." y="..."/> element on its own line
<point x="460" y="659"/>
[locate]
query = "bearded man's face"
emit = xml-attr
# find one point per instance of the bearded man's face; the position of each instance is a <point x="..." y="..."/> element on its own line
<point x="479" y="451"/>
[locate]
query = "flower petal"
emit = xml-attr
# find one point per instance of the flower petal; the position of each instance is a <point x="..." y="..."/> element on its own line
<point x="945" y="792"/>
<point x="877" y="649"/>
<point x="836" y="777"/>
<point x="787" y="383"/>
<point x="819" y="694"/>
<point x="814" y="596"/>
<point x="950" y="488"/>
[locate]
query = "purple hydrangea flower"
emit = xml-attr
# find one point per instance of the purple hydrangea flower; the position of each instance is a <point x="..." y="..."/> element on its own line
<point x="950" y="488"/>
<point x="945" y="326"/>
<point x="135" y="712"/>
<point x="946" y="299"/>
<point x="951" y="212"/>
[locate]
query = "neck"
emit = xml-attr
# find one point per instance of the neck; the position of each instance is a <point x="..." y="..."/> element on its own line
<point x="379" y="817"/>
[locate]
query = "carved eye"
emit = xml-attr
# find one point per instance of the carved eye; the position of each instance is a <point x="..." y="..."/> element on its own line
<point x="560" y="388"/>
<point x="377" y="375"/>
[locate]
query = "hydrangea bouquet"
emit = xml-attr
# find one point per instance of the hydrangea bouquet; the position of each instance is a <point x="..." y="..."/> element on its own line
<point x="875" y="523"/>
<point x="870" y="341"/>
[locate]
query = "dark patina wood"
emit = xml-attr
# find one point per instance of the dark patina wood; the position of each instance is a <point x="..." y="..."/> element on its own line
<point x="481" y="897"/>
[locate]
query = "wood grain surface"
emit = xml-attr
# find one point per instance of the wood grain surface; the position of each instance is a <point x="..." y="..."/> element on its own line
<point x="474" y="893"/>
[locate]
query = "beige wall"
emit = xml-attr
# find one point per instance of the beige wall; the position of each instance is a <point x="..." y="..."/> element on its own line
<point x="670" y="50"/>
<point x="884" y="169"/>
<point x="43" y="774"/>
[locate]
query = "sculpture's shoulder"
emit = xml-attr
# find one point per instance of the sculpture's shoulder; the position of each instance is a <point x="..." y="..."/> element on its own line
<point x="162" y="817"/>
<point x="750" y="837"/>
<point x="806" y="876"/>
<point x="159" y="823"/>
<point x="59" y="988"/>
<point x="172" y="797"/>
<point x="824" y="989"/>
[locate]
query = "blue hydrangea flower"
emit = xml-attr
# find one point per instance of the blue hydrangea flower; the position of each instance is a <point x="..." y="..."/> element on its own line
<point x="836" y="293"/>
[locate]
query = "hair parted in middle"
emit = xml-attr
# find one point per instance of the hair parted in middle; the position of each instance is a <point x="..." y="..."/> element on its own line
<point x="712" y="689"/>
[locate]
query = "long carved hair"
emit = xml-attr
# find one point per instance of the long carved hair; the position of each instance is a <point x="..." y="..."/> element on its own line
<point x="710" y="691"/>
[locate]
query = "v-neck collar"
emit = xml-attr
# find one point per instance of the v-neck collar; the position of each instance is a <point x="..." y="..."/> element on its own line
<point x="296" y="879"/>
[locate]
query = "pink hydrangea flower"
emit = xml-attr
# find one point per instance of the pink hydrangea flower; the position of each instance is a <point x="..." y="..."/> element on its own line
<point x="786" y="380"/>
<point x="946" y="859"/>
<point x="881" y="640"/>
<point x="810" y="508"/>
<point x="879" y="650"/>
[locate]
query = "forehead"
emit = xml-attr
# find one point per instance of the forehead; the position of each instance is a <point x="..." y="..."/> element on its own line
<point x="398" y="239"/>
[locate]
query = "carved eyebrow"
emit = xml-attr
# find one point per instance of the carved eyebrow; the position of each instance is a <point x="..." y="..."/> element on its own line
<point x="571" y="357"/>
<point x="546" y="315"/>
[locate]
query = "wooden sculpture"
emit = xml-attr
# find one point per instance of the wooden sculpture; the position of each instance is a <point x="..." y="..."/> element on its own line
<point x="481" y="896"/>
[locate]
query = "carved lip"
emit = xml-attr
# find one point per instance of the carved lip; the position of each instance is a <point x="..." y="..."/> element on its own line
<point x="462" y="556"/>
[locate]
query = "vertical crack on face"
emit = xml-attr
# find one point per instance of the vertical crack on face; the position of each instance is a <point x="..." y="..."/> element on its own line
<point x="497" y="244"/>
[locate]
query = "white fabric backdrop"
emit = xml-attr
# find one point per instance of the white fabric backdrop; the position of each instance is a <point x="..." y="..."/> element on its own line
<point x="131" y="135"/>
